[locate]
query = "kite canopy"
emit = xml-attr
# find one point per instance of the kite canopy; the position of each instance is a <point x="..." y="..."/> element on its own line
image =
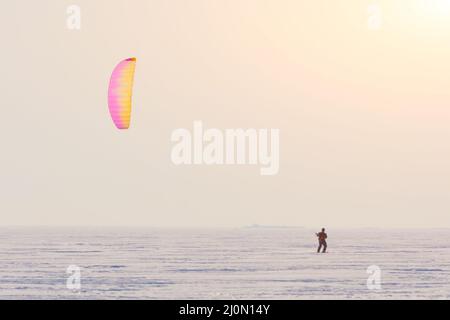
<point x="120" y="92"/>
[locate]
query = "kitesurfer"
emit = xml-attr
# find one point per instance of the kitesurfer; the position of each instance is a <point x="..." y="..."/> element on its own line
<point x="322" y="236"/>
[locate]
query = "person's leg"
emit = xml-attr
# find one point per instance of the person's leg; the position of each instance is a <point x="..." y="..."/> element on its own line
<point x="320" y="247"/>
<point x="324" y="247"/>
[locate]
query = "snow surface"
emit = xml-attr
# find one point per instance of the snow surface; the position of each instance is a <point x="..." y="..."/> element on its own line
<point x="246" y="263"/>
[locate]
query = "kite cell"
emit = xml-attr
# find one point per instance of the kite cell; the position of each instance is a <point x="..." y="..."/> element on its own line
<point x="120" y="93"/>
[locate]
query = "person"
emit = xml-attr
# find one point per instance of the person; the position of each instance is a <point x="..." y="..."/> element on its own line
<point x="322" y="236"/>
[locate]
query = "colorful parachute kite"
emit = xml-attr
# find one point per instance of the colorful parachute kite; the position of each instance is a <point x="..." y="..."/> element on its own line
<point x="120" y="92"/>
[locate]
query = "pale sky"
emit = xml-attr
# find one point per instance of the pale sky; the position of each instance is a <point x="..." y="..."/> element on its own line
<point x="364" y="114"/>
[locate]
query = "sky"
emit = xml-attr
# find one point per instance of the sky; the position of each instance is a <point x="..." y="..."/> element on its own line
<point x="363" y="110"/>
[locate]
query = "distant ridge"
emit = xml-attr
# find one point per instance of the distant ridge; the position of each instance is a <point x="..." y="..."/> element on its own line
<point x="258" y="226"/>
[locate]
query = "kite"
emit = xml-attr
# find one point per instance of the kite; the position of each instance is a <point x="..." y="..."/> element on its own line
<point x="120" y="93"/>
